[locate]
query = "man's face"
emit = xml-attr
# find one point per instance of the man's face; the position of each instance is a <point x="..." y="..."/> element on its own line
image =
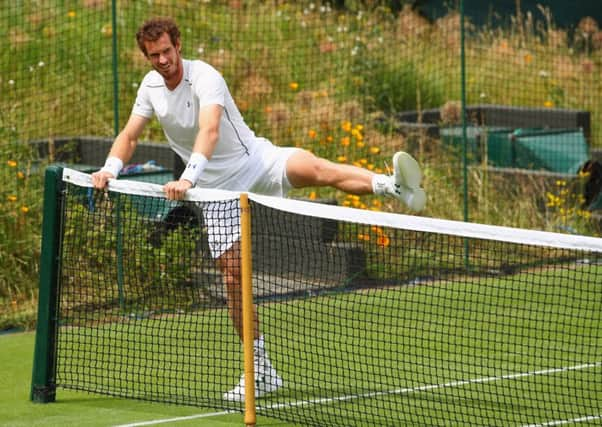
<point x="164" y="56"/>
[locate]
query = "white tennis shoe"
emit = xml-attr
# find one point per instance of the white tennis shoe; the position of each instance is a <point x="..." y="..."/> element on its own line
<point x="406" y="172"/>
<point x="415" y="199"/>
<point x="267" y="379"/>
<point x="406" y="180"/>
<point x="265" y="382"/>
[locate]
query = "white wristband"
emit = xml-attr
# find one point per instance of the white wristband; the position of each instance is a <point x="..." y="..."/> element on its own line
<point x="194" y="168"/>
<point x="113" y="165"/>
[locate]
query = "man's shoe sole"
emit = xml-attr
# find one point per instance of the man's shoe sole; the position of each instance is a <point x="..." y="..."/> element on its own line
<point x="418" y="200"/>
<point x="407" y="169"/>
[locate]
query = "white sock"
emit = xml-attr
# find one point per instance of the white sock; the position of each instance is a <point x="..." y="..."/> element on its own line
<point x="262" y="360"/>
<point x="381" y="184"/>
<point x="259" y="350"/>
<point x="259" y="344"/>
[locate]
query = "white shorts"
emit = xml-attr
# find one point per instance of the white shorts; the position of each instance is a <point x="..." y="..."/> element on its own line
<point x="264" y="173"/>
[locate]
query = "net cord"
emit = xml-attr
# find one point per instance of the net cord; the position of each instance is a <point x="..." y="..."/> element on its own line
<point x="382" y="219"/>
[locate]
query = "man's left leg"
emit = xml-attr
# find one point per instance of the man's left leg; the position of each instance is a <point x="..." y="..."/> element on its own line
<point x="303" y="169"/>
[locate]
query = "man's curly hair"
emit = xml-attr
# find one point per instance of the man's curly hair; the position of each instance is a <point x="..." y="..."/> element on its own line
<point x="154" y="28"/>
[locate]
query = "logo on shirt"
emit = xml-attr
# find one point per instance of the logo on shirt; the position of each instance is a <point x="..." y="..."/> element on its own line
<point x="188" y="104"/>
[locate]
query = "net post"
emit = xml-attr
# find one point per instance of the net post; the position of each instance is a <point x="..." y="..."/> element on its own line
<point x="247" y="309"/>
<point x="43" y="388"/>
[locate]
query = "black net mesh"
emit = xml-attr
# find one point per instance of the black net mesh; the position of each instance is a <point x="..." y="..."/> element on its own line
<point x="366" y="322"/>
<point x="141" y="300"/>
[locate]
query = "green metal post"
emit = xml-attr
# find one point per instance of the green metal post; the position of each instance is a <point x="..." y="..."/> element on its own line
<point x="43" y="388"/>
<point x="115" y="68"/>
<point x="463" y="95"/>
<point x="464" y="130"/>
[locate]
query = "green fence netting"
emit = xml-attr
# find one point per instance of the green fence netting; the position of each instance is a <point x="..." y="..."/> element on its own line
<point x="353" y="81"/>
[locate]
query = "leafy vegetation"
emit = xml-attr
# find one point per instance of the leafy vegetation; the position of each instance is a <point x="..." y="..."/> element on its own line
<point x="306" y="74"/>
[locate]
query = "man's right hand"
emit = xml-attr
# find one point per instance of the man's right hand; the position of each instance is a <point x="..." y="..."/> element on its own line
<point x="100" y="179"/>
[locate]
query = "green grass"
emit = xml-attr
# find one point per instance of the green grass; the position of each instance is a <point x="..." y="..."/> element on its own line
<point x="79" y="409"/>
<point x="516" y="349"/>
<point x="448" y="333"/>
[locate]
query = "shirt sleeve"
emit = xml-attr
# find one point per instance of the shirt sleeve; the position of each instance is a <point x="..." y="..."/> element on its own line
<point x="143" y="106"/>
<point x="210" y="88"/>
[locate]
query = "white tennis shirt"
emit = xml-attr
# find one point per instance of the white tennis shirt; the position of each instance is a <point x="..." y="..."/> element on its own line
<point x="178" y="113"/>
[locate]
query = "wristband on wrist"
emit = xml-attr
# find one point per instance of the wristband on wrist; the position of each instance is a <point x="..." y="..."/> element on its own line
<point x="113" y="165"/>
<point x="194" y="168"/>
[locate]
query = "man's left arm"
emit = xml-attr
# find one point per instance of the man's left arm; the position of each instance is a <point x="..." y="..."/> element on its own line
<point x="202" y="150"/>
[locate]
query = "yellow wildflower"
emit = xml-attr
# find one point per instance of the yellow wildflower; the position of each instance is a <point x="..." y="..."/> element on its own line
<point x="548" y="104"/>
<point x="346" y="126"/>
<point x="383" y="240"/>
<point x="312" y="133"/>
<point x="341" y="159"/>
<point x="345" y="141"/>
<point x="312" y="195"/>
<point x="71" y="14"/>
<point x="374" y="150"/>
<point x="293" y="85"/>
<point x="12" y="198"/>
<point x="11" y="163"/>
<point x="107" y="30"/>
<point x="24" y="209"/>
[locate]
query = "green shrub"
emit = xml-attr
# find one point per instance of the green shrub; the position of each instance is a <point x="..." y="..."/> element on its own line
<point x="21" y="211"/>
<point x="395" y="87"/>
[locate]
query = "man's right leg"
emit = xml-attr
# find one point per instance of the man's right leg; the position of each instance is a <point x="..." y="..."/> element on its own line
<point x="229" y="265"/>
<point x="266" y="378"/>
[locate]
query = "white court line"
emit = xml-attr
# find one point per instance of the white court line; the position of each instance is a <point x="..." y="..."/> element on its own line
<point x="563" y="422"/>
<point x="409" y="390"/>
<point x="430" y="387"/>
<point x="169" y="420"/>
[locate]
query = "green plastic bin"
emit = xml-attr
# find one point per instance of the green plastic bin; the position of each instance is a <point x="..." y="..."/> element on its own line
<point x="555" y="150"/>
<point x="562" y="150"/>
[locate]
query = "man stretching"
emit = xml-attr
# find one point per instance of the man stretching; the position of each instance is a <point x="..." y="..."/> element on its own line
<point x="205" y="128"/>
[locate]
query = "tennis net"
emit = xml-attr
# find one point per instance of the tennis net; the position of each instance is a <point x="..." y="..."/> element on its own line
<point x="370" y="318"/>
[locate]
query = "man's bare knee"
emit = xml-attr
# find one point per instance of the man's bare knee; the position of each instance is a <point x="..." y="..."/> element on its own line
<point x="305" y="169"/>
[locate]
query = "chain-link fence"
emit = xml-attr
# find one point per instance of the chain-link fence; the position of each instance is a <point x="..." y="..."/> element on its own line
<point x="501" y="108"/>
